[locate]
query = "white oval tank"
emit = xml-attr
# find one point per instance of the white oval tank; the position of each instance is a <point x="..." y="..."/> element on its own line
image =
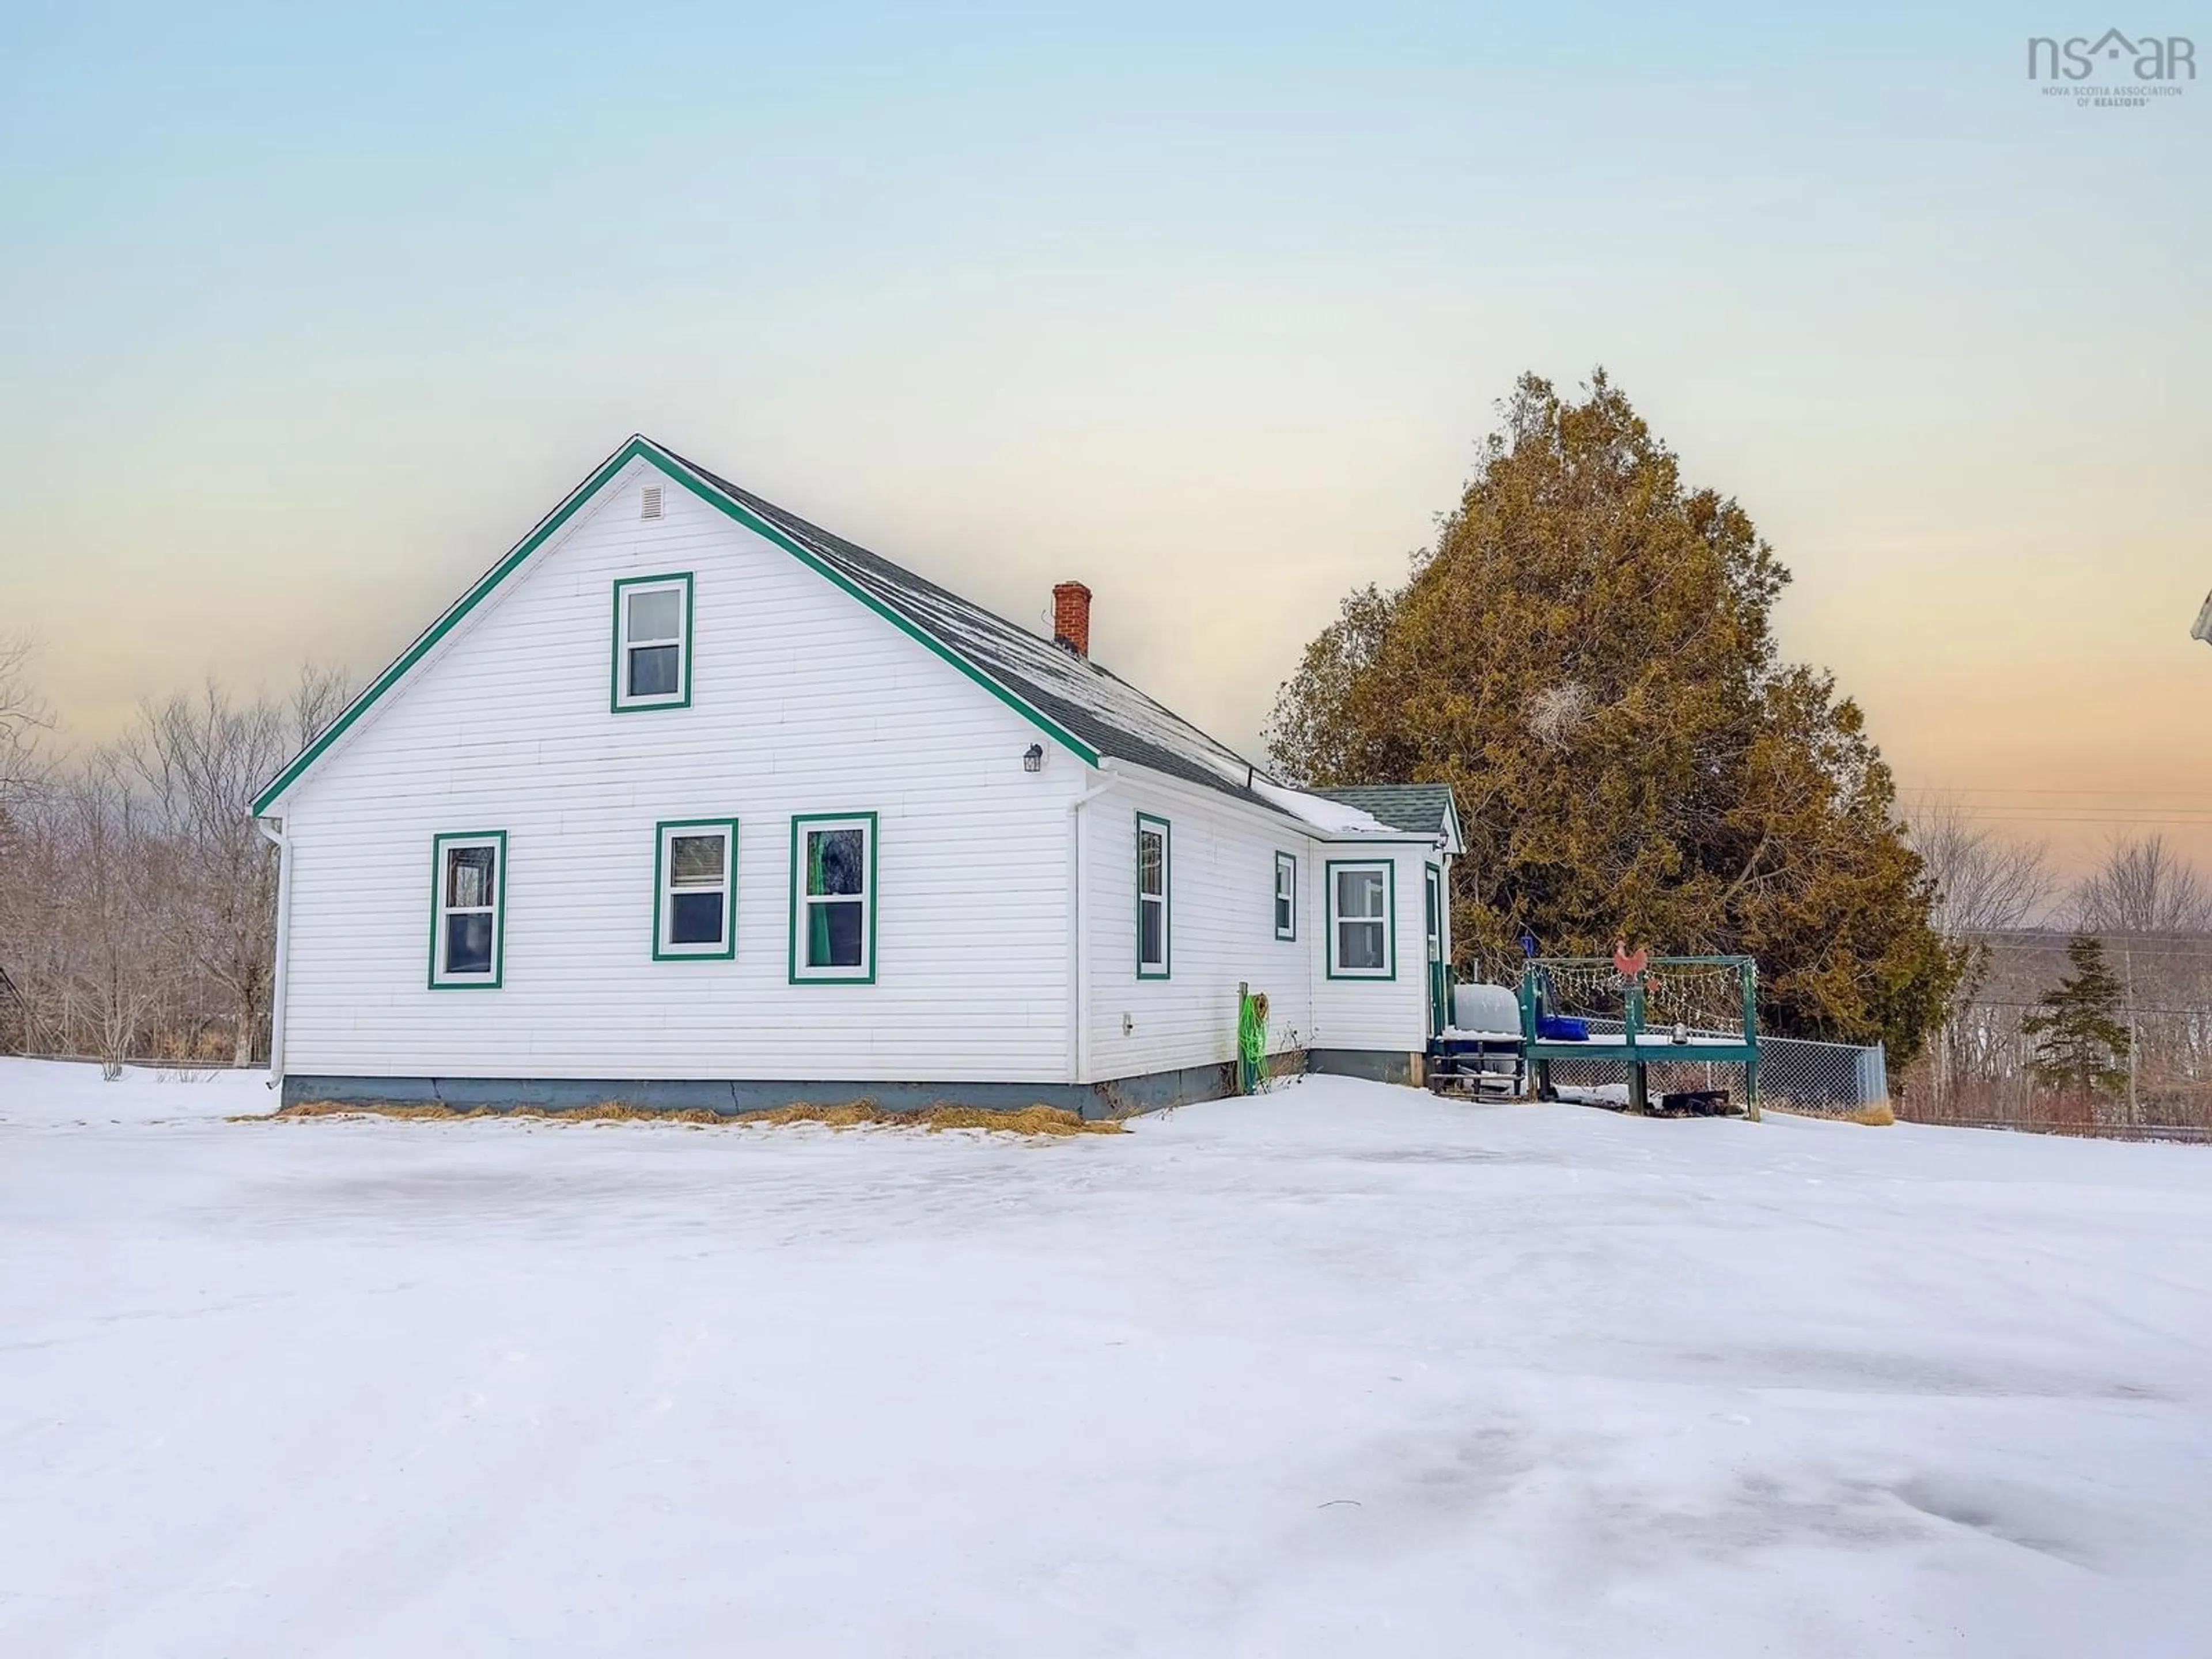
<point x="1486" y="1008"/>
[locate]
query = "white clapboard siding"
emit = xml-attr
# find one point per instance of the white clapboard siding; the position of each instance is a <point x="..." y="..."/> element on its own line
<point x="1222" y="932"/>
<point x="1390" y="1014"/>
<point x="1221" y="929"/>
<point x="802" y="701"/>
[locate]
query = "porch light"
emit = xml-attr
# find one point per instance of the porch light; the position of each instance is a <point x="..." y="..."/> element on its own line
<point x="1033" y="758"/>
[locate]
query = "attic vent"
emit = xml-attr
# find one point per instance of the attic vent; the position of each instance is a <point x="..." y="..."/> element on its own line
<point x="649" y="502"/>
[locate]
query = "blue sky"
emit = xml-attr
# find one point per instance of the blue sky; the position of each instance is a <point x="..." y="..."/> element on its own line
<point x="314" y="314"/>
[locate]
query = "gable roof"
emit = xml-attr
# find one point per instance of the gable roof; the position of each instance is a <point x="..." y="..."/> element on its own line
<point x="1107" y="714"/>
<point x="1423" y="809"/>
<point x="1089" y="710"/>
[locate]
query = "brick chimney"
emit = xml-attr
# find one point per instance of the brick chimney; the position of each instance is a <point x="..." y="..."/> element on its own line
<point x="1071" y="618"/>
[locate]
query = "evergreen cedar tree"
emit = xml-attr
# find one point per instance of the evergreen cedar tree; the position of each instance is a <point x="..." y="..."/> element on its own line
<point x="1585" y="656"/>
<point x="2082" y="1048"/>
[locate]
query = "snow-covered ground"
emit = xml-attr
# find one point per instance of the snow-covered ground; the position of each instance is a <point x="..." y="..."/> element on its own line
<point x="1340" y="1370"/>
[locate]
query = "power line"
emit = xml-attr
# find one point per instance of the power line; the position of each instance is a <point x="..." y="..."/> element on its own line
<point x="2112" y="822"/>
<point x="2070" y="812"/>
<point x="1972" y="809"/>
<point x="2038" y="809"/>
<point x="2137" y="1008"/>
<point x="2026" y="804"/>
<point x="2037" y="789"/>
<point x="2204" y="957"/>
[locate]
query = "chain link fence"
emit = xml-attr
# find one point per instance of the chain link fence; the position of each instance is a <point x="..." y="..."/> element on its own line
<point x="1836" y="1080"/>
<point x="1827" y="1080"/>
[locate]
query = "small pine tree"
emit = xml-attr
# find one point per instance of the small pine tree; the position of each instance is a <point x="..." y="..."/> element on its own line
<point x="2081" y="1045"/>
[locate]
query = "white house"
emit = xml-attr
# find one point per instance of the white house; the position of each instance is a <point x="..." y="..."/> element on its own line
<point x="689" y="802"/>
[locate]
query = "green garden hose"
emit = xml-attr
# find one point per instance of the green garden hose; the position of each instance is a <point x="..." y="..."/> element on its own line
<point x="1251" y="1043"/>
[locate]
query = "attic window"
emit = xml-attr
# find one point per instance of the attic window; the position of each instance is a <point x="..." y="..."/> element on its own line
<point x="648" y="502"/>
<point x="653" y="642"/>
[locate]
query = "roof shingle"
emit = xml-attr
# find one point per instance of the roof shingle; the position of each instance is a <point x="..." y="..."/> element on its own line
<point x="1420" y="809"/>
<point x="1069" y="695"/>
<point x="1094" y="704"/>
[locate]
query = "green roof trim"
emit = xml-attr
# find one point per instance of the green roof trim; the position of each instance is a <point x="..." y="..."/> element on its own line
<point x="714" y="497"/>
<point x="643" y="448"/>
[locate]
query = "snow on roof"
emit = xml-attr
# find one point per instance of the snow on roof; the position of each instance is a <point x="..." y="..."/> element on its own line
<point x="1333" y="817"/>
<point x="1423" y="809"/>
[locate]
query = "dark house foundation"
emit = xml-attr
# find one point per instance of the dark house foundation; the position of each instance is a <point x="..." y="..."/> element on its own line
<point x="1123" y="1096"/>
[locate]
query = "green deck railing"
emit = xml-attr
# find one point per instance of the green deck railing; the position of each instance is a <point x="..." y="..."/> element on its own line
<point x="1536" y="979"/>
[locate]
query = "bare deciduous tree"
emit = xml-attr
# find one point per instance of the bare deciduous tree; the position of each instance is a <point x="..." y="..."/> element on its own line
<point x="24" y="721"/>
<point x="318" y="697"/>
<point x="202" y="759"/>
<point x="1984" y="883"/>
<point x="109" y="892"/>
<point x="2151" y="912"/>
<point x="138" y="898"/>
<point x="2144" y="886"/>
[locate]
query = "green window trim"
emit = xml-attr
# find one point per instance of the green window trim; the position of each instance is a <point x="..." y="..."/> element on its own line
<point x="441" y="980"/>
<point x="1164" y="897"/>
<point x="1436" y="920"/>
<point x="800" y="823"/>
<point x="1286" y="863"/>
<point x="662" y="832"/>
<point x="1389" y="917"/>
<point x="617" y="702"/>
<point x="641" y="448"/>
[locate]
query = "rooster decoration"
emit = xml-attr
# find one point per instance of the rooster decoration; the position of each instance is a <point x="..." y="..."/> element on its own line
<point x="1628" y="966"/>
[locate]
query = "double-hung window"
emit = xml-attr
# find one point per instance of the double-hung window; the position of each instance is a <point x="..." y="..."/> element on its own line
<point x="695" y="888"/>
<point x="1152" y="897"/>
<point x="1286" y="896"/>
<point x="833" y="897"/>
<point x="1360" y="909"/>
<point x="468" y="905"/>
<point x="653" y="642"/>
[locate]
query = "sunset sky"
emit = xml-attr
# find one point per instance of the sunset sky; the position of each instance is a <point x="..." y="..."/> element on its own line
<point x="309" y="319"/>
